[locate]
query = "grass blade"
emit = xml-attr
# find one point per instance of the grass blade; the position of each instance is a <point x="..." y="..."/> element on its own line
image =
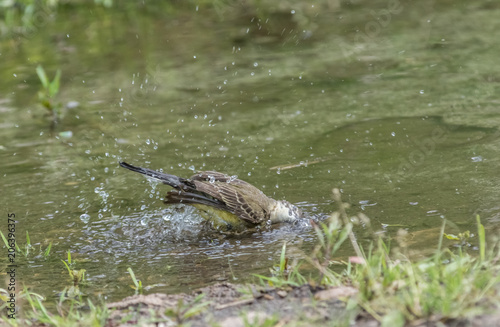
<point x="482" y="238"/>
<point x="42" y="76"/>
<point x="54" y="85"/>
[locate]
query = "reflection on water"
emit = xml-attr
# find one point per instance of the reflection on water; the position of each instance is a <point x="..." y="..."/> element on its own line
<point x="405" y="125"/>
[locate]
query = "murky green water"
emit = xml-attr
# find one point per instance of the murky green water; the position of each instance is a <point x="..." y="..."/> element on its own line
<point x="395" y="103"/>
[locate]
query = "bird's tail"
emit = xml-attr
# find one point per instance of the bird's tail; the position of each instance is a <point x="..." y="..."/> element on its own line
<point x="172" y="180"/>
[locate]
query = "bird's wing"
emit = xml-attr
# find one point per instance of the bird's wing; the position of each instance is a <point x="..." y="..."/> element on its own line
<point x="176" y="196"/>
<point x="247" y="202"/>
<point x="224" y="192"/>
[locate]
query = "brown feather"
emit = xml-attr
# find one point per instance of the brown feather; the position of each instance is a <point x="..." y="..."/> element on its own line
<point x="216" y="190"/>
<point x="223" y="192"/>
<point x="176" y="196"/>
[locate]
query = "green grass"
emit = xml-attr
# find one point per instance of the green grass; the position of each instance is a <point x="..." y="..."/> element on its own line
<point x="283" y="274"/>
<point x="77" y="276"/>
<point x="48" y="93"/>
<point x="137" y="283"/>
<point x="67" y="314"/>
<point x="183" y="311"/>
<point x="446" y="285"/>
<point x="450" y="284"/>
<point x="28" y="250"/>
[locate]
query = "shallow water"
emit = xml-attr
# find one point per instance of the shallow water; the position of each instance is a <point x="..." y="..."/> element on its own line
<point x="402" y="118"/>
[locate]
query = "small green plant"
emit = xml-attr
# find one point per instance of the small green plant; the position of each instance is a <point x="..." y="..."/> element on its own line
<point x="330" y="236"/>
<point x="68" y="313"/>
<point x="283" y="274"/>
<point x="184" y="311"/>
<point x="260" y="321"/>
<point x="28" y="247"/>
<point x="77" y="276"/>
<point x="39" y="310"/>
<point x="462" y="238"/>
<point x="137" y="283"/>
<point x="46" y="253"/>
<point x="48" y="93"/>
<point x="482" y="238"/>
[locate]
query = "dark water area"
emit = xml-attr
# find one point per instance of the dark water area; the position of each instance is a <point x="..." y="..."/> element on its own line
<point x="395" y="103"/>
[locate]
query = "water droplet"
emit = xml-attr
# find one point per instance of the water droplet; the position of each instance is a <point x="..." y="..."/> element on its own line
<point x="85" y="218"/>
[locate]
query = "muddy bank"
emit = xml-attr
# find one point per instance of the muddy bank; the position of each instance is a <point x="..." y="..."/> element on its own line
<point x="229" y="305"/>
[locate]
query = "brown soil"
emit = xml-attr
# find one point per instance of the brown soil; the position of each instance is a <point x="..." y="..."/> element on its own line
<point x="231" y="305"/>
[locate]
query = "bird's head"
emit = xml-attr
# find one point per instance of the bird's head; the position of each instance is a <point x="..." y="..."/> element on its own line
<point x="285" y="211"/>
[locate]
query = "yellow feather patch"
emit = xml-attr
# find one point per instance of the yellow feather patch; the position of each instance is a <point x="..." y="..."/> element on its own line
<point x="221" y="219"/>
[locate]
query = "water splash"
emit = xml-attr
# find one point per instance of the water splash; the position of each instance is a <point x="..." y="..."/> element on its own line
<point x="183" y="220"/>
<point x="85" y="218"/>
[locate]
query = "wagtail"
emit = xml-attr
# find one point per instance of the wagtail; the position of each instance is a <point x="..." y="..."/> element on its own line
<point x="226" y="201"/>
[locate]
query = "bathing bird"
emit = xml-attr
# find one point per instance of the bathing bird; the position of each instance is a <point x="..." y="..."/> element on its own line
<point x="225" y="201"/>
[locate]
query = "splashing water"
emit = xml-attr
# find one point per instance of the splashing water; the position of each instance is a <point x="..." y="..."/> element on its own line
<point x="183" y="220"/>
